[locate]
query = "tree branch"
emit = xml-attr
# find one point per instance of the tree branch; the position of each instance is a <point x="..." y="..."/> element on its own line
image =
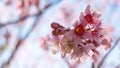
<point x="102" y="61"/>
<point x="17" y="21"/>
<point x="93" y="65"/>
<point x="28" y="33"/>
<point x="22" y="18"/>
<point x="67" y="62"/>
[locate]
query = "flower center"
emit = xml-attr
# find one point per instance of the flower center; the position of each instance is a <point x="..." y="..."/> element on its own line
<point x="79" y="30"/>
<point x="88" y="18"/>
<point x="70" y="44"/>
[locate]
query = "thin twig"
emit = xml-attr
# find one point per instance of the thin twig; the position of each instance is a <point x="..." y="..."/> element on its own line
<point x="17" y="21"/>
<point x="67" y="62"/>
<point x="102" y="61"/>
<point x="20" y="42"/>
<point x="93" y="65"/>
<point x="21" y="18"/>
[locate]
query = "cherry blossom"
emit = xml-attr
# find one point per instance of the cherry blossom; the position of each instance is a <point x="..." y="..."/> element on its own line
<point x="81" y="41"/>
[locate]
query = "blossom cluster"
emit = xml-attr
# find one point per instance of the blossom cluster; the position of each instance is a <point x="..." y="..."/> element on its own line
<point x="22" y="4"/>
<point x="81" y="41"/>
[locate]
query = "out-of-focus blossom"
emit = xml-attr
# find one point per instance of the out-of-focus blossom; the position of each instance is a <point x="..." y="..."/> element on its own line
<point x="43" y="43"/>
<point x="8" y="2"/>
<point x="27" y="3"/>
<point x="81" y="41"/>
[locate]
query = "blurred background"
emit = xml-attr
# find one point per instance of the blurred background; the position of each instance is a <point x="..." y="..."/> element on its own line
<point x="25" y="27"/>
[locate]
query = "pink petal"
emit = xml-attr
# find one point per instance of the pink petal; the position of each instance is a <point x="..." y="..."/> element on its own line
<point x="97" y="23"/>
<point x="81" y="15"/>
<point x="95" y="14"/>
<point x="87" y="10"/>
<point x="83" y="22"/>
<point x="106" y="43"/>
<point x="96" y="56"/>
<point x="75" y="23"/>
<point x="63" y="55"/>
<point x="87" y="35"/>
<point x="95" y="51"/>
<point x="90" y="46"/>
<point x="96" y="41"/>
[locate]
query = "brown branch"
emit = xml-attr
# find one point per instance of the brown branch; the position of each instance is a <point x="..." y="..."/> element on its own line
<point x="93" y="65"/>
<point x="28" y="33"/>
<point x="21" y="18"/>
<point x="115" y="44"/>
<point x="74" y="65"/>
<point x="17" y="21"/>
<point x="20" y="41"/>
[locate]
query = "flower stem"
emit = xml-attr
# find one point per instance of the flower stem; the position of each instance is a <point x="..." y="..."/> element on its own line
<point x="93" y="65"/>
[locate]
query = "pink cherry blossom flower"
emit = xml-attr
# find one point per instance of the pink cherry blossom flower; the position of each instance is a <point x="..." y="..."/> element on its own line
<point x="81" y="41"/>
<point x="90" y="17"/>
